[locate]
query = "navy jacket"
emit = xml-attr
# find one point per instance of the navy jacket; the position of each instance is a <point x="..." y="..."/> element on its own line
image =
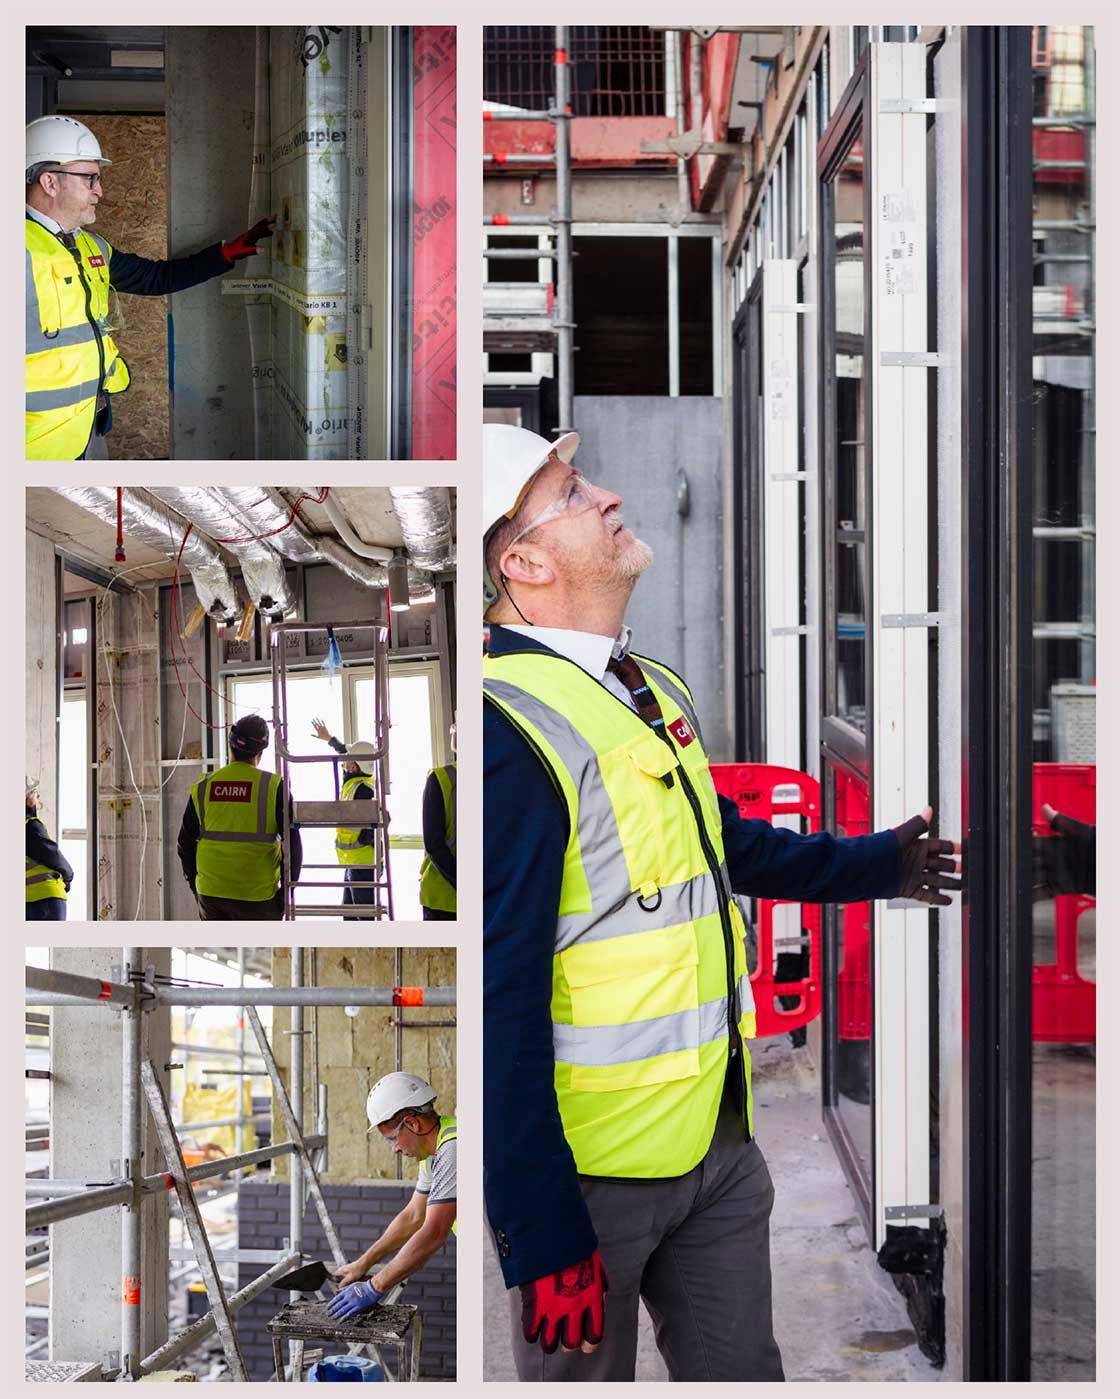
<point x="44" y="851"/>
<point x="533" y="1197"/>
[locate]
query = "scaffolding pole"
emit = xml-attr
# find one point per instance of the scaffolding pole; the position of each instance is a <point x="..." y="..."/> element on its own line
<point x="132" y="1123"/>
<point x="565" y="326"/>
<point x="150" y="998"/>
<point x="295" y="1192"/>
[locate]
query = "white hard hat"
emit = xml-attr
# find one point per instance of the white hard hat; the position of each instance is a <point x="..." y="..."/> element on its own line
<point x="32" y="784"/>
<point x="396" y="1091"/>
<point x="61" y="140"/>
<point x="511" y="457"/>
<point x="361" y="749"/>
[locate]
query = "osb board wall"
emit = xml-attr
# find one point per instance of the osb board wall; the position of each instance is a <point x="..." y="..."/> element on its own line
<point x="132" y="215"/>
<point x="354" y="1051"/>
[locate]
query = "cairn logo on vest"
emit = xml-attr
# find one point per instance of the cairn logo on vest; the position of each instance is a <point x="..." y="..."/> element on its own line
<point x="682" y="731"/>
<point x="231" y="791"/>
<point x="97" y="261"/>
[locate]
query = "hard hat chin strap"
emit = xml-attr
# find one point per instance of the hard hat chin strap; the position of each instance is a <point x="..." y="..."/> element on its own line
<point x="505" y="585"/>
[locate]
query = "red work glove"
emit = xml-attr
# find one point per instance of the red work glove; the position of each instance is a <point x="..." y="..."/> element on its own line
<point x="566" y="1306"/>
<point x="926" y="865"/>
<point x="245" y="244"/>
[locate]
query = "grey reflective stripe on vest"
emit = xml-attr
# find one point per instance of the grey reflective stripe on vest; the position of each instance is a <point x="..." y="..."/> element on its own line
<point x="41" y="878"/>
<point x="257" y="837"/>
<point x="599" y="1046"/>
<point x="598" y="836"/>
<point x="680" y="903"/>
<point x="43" y="400"/>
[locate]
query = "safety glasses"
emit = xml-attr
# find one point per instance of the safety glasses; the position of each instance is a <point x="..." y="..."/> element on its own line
<point x="94" y="179"/>
<point x="575" y="498"/>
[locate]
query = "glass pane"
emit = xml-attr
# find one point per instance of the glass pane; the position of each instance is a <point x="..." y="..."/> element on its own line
<point x="850" y="485"/>
<point x="410" y="747"/>
<point x="1063" y="1265"/>
<point x="406" y="882"/>
<point x="73" y="765"/>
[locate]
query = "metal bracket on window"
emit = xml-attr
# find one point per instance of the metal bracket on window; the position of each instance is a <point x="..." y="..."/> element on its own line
<point x="792" y="475"/>
<point x="914" y="1211"/>
<point x="911" y="359"/>
<point x="798" y="308"/>
<point x="791" y="631"/>
<point x="904" y="106"/>
<point x="910" y="619"/>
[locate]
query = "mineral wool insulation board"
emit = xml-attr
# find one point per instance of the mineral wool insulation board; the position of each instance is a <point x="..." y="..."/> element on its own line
<point x="307" y="100"/>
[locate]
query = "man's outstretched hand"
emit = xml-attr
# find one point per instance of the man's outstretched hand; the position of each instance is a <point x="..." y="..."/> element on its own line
<point x="566" y="1308"/>
<point x="928" y="869"/>
<point x="245" y="244"/>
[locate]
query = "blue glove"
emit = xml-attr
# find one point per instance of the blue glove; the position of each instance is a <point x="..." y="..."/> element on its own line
<point x="356" y="1298"/>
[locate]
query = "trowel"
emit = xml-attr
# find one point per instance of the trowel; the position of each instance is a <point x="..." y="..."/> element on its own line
<point x="309" y="1278"/>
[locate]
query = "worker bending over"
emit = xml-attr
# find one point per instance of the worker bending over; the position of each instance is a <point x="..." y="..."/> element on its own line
<point x="354" y="846"/>
<point x="619" y="1137"/>
<point x="229" y="840"/>
<point x="73" y="367"/>
<point x="437" y="871"/>
<point x="401" y="1106"/>
<point x="48" y="873"/>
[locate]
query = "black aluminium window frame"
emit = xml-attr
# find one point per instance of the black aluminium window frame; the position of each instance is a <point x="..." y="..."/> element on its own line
<point x="842" y="746"/>
<point x="996" y="699"/>
<point x="748" y="526"/>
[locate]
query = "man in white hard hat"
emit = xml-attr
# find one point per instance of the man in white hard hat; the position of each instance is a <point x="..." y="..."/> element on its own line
<point x="47" y="872"/>
<point x="402" y="1108"/>
<point x="73" y="367"/>
<point x="619" y="1151"/>
<point x="355" y="847"/>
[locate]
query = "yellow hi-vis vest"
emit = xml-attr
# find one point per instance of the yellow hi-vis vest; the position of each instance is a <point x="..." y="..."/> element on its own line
<point x="41" y="881"/>
<point x="238" y="842"/>
<point x="448" y="1132"/>
<point x="435" y="891"/>
<point x="650" y="990"/>
<point x="346" y="847"/>
<point x="70" y="353"/>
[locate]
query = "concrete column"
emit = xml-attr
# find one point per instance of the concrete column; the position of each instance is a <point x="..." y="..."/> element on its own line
<point x="85" y="1128"/>
<point x="41" y="739"/>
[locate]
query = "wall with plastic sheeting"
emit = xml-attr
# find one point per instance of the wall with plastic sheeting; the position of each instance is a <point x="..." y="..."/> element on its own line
<point x="310" y="189"/>
<point x="433" y="237"/>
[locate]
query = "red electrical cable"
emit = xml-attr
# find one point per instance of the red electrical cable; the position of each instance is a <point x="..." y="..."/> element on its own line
<point x="253" y="538"/>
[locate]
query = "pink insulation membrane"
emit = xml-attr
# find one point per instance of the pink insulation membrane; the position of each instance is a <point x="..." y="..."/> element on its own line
<point x="433" y="244"/>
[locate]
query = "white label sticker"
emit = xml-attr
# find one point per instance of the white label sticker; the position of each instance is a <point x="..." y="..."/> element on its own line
<point x="899" y="234"/>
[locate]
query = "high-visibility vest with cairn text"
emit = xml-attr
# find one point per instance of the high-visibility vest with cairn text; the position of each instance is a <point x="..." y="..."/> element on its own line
<point x="69" y="349"/>
<point x="346" y="848"/>
<point x="435" y="891"/>
<point x="40" y="880"/>
<point x="650" y="990"/>
<point x="238" y="842"/>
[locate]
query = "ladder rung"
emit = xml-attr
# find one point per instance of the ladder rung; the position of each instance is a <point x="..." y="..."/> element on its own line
<point x="367" y="813"/>
<point x="371" y="911"/>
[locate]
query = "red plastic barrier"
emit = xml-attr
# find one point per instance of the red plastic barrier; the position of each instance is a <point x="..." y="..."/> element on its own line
<point x="752" y="787"/>
<point x="853" y="998"/>
<point x="1064" y="1002"/>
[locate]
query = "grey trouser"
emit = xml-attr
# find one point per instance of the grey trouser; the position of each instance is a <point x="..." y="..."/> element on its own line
<point x="97" y="448"/>
<point x="696" y="1250"/>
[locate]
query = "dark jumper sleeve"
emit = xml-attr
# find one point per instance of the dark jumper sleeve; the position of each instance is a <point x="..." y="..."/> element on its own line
<point x="297" y="841"/>
<point x="141" y="276"/>
<point x="187" y="844"/>
<point x="434" y="825"/>
<point x="44" y="851"/>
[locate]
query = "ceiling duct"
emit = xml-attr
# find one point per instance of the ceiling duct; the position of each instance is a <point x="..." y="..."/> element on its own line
<point x="261" y="567"/>
<point x="150" y="521"/>
<point x="424" y="513"/>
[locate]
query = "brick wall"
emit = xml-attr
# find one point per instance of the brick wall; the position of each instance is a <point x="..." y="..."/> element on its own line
<point x="360" y="1213"/>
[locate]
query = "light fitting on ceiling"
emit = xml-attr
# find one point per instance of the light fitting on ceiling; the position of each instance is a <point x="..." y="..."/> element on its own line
<point x="397" y="568"/>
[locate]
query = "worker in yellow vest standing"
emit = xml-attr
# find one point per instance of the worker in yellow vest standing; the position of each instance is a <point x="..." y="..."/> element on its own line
<point x="229" y="840"/>
<point x="437" y="872"/>
<point x="73" y="367"/>
<point x="48" y="873"/>
<point x="354" y="846"/>
<point x="402" y="1108"/>
<point x="617" y="992"/>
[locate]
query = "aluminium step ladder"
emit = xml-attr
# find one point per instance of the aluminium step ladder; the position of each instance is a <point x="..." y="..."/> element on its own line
<point x="331" y="814"/>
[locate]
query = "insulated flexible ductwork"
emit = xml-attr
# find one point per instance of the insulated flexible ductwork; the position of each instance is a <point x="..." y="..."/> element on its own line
<point x="424" y="513"/>
<point x="149" y="521"/>
<point x="262" y="567"/>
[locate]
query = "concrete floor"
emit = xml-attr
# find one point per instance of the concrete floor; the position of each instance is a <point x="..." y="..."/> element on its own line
<point x="837" y="1315"/>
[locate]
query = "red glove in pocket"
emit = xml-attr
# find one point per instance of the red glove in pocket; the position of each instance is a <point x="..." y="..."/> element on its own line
<point x="566" y="1306"/>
